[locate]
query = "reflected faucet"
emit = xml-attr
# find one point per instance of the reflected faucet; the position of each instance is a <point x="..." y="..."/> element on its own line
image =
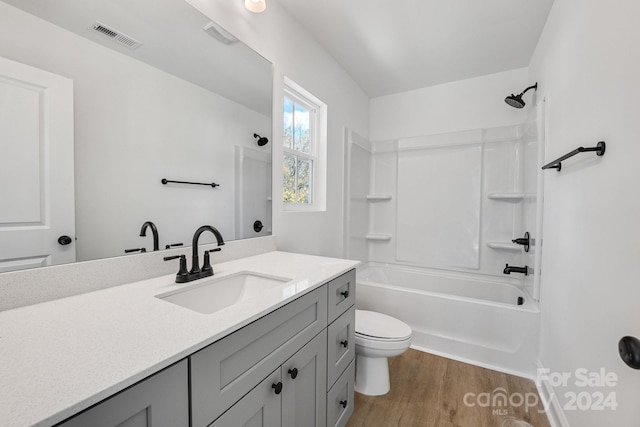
<point x="508" y="269"/>
<point x="154" y="230"/>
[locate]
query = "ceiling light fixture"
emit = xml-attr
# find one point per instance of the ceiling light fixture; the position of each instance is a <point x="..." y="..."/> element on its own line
<point x="255" y="6"/>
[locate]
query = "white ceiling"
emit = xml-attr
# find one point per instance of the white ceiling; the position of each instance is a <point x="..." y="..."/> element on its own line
<point x="173" y="40"/>
<point x="391" y="46"/>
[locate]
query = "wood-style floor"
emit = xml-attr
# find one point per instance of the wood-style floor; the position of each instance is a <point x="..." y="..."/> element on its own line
<point x="429" y="391"/>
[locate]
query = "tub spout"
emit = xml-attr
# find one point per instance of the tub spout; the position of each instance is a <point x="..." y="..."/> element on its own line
<point x="508" y="269"/>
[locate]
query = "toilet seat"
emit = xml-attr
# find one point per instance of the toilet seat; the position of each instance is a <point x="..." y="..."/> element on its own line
<point x="375" y="326"/>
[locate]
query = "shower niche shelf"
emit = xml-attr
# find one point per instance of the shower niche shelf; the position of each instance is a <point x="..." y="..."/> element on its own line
<point x="378" y="197"/>
<point x="507" y="246"/>
<point x="378" y="237"/>
<point x="511" y="197"/>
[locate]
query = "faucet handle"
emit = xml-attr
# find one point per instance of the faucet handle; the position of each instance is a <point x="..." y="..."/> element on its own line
<point x="173" y="245"/>
<point x="182" y="271"/>
<point x="141" y="250"/>
<point x="206" y="263"/>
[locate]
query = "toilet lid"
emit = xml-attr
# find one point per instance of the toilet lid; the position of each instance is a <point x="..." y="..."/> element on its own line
<point x="378" y="325"/>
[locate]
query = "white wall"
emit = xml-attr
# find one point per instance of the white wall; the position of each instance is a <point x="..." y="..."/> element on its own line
<point x="463" y="105"/>
<point x="294" y="53"/>
<point x="134" y="125"/>
<point x="587" y="64"/>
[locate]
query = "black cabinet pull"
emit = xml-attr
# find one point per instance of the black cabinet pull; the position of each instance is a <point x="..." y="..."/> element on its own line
<point x="293" y="372"/>
<point x="343" y="403"/>
<point x="345" y="294"/>
<point x="344" y="343"/>
<point x="277" y="387"/>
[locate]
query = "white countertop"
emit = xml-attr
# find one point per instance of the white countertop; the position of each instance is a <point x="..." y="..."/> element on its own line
<point x="60" y="357"/>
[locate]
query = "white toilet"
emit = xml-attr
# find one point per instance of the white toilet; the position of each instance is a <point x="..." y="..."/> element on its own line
<point x="378" y="337"/>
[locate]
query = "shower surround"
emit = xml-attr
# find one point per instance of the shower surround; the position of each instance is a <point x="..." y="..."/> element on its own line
<point x="440" y="206"/>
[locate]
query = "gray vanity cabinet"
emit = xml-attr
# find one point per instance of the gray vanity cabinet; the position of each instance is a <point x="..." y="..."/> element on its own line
<point x="293" y="367"/>
<point x="162" y="400"/>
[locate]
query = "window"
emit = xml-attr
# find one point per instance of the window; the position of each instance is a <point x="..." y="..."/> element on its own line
<point x="304" y="146"/>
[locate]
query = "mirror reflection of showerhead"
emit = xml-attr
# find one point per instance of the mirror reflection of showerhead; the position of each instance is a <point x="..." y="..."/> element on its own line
<point x="262" y="140"/>
<point x="516" y="101"/>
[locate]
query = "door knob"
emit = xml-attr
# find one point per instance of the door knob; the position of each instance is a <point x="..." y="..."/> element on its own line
<point x="293" y="372"/>
<point x="257" y="226"/>
<point x="64" y="240"/>
<point x="629" y="349"/>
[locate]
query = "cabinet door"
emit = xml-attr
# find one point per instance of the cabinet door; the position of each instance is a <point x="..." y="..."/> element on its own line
<point x="161" y="400"/>
<point x="259" y="408"/>
<point x="304" y="399"/>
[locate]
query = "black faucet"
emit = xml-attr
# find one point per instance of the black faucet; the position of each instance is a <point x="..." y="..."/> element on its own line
<point x="196" y="272"/>
<point x="195" y="262"/>
<point x="508" y="269"/>
<point x="154" y="231"/>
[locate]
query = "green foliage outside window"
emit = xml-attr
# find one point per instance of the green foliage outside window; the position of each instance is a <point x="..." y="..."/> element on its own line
<point x="297" y="170"/>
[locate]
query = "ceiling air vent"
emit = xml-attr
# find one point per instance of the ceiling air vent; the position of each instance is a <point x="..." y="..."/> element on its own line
<point x="116" y="36"/>
<point x="219" y="33"/>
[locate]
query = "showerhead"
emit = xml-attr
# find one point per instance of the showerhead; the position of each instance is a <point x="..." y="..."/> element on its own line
<point x="261" y="140"/>
<point x="516" y="101"/>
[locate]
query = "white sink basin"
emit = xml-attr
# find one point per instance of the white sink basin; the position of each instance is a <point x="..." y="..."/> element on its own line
<point x="213" y="294"/>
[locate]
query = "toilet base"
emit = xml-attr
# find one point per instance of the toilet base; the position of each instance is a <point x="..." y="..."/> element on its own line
<point x="372" y="375"/>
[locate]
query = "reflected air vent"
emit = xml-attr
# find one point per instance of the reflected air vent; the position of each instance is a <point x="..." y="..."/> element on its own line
<point x="219" y="33"/>
<point x="116" y="36"/>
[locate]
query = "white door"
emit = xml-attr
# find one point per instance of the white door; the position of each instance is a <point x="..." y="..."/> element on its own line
<point x="36" y="168"/>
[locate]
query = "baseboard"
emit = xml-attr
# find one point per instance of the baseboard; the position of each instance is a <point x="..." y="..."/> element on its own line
<point x="474" y="362"/>
<point x="555" y="413"/>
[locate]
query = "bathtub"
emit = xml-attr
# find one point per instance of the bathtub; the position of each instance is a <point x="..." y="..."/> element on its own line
<point x="487" y="321"/>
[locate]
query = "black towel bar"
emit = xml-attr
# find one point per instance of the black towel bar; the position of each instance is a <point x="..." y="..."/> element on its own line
<point x="557" y="163"/>
<point x="213" y="184"/>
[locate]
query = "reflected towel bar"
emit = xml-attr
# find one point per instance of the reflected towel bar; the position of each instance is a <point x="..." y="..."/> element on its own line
<point x="213" y="184"/>
<point x="557" y="163"/>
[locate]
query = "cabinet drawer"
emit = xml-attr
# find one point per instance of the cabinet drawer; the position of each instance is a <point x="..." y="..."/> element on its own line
<point x="228" y="369"/>
<point x="341" y="345"/>
<point x="162" y="400"/>
<point x="342" y="294"/>
<point x="340" y="399"/>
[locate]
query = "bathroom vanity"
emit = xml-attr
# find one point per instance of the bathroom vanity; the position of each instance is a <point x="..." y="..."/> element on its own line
<point x="125" y="356"/>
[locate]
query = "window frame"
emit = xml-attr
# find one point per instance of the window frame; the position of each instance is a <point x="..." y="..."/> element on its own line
<point x="317" y="148"/>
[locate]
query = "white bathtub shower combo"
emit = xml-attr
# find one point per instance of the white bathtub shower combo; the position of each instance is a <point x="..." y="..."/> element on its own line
<point x="435" y="224"/>
<point x="486" y="321"/>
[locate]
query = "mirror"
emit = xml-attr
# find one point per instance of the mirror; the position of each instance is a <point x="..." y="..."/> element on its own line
<point x="158" y="92"/>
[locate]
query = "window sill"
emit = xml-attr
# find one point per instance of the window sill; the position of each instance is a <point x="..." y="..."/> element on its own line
<point x="296" y="207"/>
